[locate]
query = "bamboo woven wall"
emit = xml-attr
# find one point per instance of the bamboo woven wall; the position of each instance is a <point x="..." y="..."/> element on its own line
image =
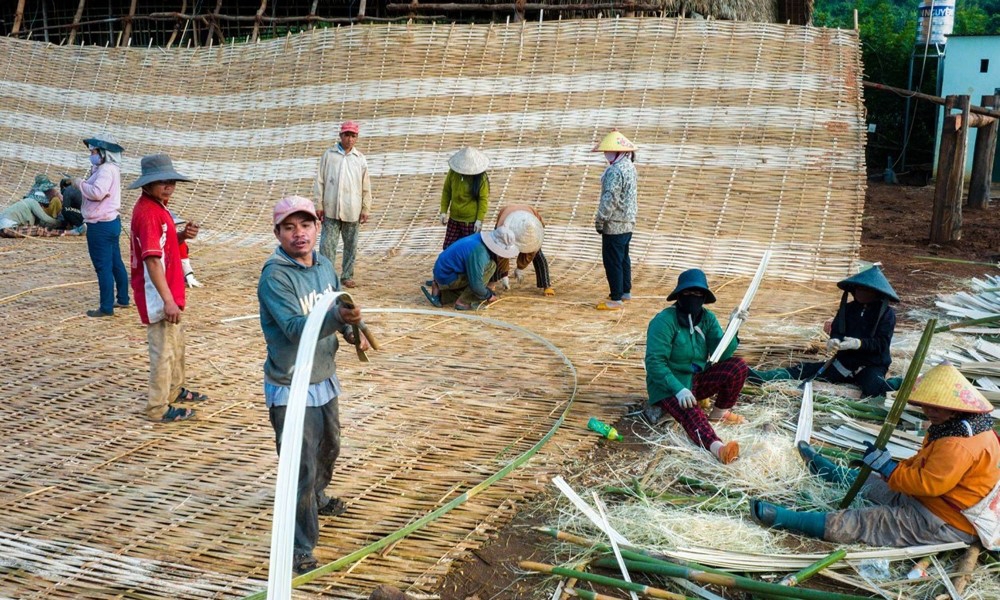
<point x="750" y="135"/>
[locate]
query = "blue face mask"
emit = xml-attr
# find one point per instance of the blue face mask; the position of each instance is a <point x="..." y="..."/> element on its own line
<point x="95" y="159"/>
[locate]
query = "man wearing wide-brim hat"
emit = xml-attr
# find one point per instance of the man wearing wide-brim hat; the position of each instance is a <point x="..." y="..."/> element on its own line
<point x="159" y="288"/>
<point x="860" y="337"/>
<point x="343" y="191"/>
<point x="920" y="500"/>
<point x="462" y="270"/>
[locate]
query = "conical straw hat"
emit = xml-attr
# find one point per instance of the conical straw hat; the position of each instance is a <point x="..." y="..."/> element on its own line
<point x="615" y="142"/>
<point x="945" y="387"/>
<point x="469" y="161"/>
<point x="528" y="230"/>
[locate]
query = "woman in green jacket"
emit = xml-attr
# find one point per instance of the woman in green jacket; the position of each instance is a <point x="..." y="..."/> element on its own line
<point x="466" y="195"/>
<point x="679" y="341"/>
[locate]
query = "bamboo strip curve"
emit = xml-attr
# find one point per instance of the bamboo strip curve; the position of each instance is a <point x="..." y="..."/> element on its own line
<point x="471" y="492"/>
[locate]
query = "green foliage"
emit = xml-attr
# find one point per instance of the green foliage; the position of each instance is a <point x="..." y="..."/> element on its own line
<point x="887" y="29"/>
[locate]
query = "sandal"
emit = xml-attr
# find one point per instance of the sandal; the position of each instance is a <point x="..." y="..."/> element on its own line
<point x="175" y="413"/>
<point x="435" y="300"/>
<point x="610" y="305"/>
<point x="333" y="508"/>
<point x="187" y="395"/>
<point x="730" y="418"/>
<point x="303" y="563"/>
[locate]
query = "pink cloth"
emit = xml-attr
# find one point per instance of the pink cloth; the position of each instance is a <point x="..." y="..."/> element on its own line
<point x="102" y="194"/>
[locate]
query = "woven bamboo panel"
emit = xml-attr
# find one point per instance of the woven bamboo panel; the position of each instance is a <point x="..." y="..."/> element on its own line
<point x="750" y="135"/>
<point x="98" y="503"/>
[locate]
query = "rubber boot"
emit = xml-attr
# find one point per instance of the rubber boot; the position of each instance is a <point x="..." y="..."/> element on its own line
<point x="758" y="377"/>
<point x="812" y="524"/>
<point x="824" y="468"/>
<point x="894" y="383"/>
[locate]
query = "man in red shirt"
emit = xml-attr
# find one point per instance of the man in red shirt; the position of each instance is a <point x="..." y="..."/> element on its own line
<point x="158" y="287"/>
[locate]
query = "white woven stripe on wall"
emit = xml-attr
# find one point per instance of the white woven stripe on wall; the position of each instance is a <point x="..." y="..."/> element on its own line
<point x="750" y="135"/>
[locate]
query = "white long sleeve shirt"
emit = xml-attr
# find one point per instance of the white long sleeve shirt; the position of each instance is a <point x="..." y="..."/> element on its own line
<point x="342" y="188"/>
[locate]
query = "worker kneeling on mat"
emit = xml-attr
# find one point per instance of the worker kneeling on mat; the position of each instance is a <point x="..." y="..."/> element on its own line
<point x="293" y="279"/>
<point x="923" y="499"/>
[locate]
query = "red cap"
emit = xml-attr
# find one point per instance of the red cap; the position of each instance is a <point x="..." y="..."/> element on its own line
<point x="290" y="205"/>
<point x="350" y="126"/>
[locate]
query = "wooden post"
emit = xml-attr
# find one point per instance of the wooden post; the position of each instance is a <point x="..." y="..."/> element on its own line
<point x="18" y="17"/>
<point x="946" y="219"/>
<point x="982" y="159"/>
<point x="177" y="26"/>
<point x="257" y="20"/>
<point x="216" y="29"/>
<point x="76" y="22"/>
<point x="312" y="13"/>
<point x="127" y="34"/>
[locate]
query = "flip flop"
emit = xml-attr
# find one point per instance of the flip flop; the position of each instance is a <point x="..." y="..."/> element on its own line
<point x="187" y="395"/>
<point x="435" y="300"/>
<point x="730" y="418"/>
<point x="176" y="414"/>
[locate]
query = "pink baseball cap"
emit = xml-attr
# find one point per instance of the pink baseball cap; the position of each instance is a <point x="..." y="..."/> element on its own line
<point x="350" y="126"/>
<point x="290" y="205"/>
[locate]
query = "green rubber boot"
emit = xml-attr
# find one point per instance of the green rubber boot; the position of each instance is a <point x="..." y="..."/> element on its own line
<point x="758" y="377"/>
<point x="824" y="468"/>
<point x="894" y="383"/>
<point x="812" y="524"/>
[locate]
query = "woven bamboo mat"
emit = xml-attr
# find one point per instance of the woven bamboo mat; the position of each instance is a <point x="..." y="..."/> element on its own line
<point x="750" y="135"/>
<point x="100" y="504"/>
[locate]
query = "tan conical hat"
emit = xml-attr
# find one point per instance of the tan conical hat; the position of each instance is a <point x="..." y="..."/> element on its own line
<point x="469" y="161"/>
<point x="944" y="386"/>
<point x="615" y="142"/>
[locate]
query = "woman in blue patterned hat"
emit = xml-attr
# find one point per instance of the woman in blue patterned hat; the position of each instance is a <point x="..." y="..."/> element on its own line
<point x="860" y="335"/>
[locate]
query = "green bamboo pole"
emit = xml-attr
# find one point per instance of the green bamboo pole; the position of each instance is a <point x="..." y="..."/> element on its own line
<point x="728" y="581"/>
<point x="957" y="260"/>
<point x="967" y="323"/>
<point x="587" y="594"/>
<point x="635" y="555"/>
<point x="897" y="408"/>
<point x="797" y="578"/>
<point x="602" y="580"/>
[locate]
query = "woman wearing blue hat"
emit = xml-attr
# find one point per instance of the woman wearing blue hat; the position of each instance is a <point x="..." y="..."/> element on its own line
<point x="679" y="341"/>
<point x="860" y="336"/>
<point x="102" y="201"/>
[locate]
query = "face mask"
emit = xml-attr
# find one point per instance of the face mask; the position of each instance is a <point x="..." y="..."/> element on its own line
<point x="691" y="304"/>
<point x="611" y="156"/>
<point x="95" y="159"/>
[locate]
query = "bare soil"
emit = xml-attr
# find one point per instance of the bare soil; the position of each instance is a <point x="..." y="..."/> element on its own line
<point x="895" y="232"/>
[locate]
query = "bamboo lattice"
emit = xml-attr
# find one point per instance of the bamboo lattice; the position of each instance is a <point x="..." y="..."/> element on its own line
<point x="100" y="504"/>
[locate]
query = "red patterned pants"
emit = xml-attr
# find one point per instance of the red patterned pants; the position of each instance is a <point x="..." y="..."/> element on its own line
<point x="724" y="381"/>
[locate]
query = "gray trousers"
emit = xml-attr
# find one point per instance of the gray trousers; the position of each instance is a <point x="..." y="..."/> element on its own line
<point x="320" y="449"/>
<point x="333" y="230"/>
<point x="897" y="521"/>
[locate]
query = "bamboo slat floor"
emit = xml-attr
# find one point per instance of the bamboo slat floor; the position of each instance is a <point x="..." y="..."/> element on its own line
<point x="102" y="504"/>
<point x="751" y="136"/>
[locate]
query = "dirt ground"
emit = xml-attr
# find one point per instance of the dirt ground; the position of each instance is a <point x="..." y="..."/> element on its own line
<point x="896" y="231"/>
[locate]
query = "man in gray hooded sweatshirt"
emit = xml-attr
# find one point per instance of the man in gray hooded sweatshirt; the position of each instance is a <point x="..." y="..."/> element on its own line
<point x="292" y="280"/>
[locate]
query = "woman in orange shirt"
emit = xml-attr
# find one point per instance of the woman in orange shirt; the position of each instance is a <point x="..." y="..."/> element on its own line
<point x="918" y="500"/>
